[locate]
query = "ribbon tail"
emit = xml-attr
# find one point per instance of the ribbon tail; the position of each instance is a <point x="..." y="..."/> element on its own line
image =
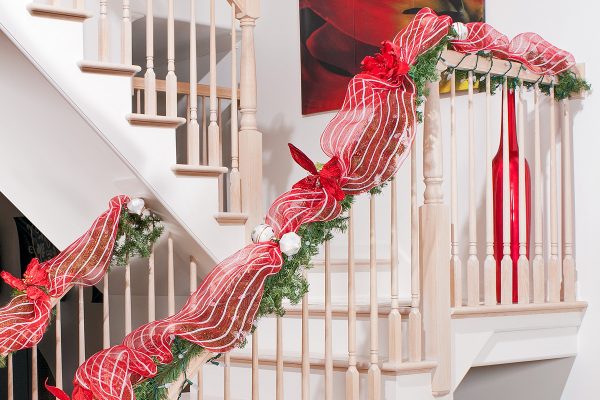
<point x="56" y="392"/>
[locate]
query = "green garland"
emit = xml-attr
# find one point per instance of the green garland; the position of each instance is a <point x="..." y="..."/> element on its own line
<point x="568" y="83"/>
<point x="136" y="236"/>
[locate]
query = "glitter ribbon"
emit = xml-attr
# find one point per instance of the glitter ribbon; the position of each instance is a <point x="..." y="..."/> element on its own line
<point x="25" y="318"/>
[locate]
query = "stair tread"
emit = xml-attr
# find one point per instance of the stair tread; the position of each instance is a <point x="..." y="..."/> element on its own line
<point x="100" y="67"/>
<point x="339" y="362"/>
<point x="231" y="218"/>
<point x="198" y="170"/>
<point x="159" y="121"/>
<point x="58" y="12"/>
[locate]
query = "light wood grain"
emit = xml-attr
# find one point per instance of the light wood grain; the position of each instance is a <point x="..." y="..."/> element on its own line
<point x="214" y="147"/>
<point x="394" y="317"/>
<point x="171" y="79"/>
<point x="455" y="262"/>
<point x="10" y="377"/>
<point x="170" y="277"/>
<point x="414" y="317"/>
<point x="374" y="376"/>
<point x="235" y="185"/>
<point x="58" y="366"/>
<point x="126" y="41"/>
<point x="279" y="355"/>
<point x="150" y="75"/>
<point x="81" y="324"/>
<point x="328" y="326"/>
<point x="151" y="288"/>
<point x="538" y="266"/>
<point x="554" y="267"/>
<point x="352" y="375"/>
<point x="568" y="262"/>
<point x="489" y="264"/>
<point x="127" y="299"/>
<point x="193" y="129"/>
<point x="34" y="373"/>
<point x="473" y="260"/>
<point x="255" y="365"/>
<point x="103" y="43"/>
<point x="305" y="373"/>
<point x="105" y="313"/>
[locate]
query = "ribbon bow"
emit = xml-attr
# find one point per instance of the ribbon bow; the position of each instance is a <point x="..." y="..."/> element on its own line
<point x="34" y="283"/>
<point x="328" y="178"/>
<point x="387" y="64"/>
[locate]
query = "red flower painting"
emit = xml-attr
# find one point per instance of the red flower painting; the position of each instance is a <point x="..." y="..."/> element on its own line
<point x="337" y="35"/>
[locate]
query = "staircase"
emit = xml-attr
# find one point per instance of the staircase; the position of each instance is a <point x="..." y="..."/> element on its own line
<point x="391" y="313"/>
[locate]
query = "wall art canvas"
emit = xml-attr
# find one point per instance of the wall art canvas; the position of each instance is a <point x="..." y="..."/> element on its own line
<point x="336" y="35"/>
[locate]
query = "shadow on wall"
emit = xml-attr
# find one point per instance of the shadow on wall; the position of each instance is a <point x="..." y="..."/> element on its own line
<point x="276" y="156"/>
<point x="521" y="381"/>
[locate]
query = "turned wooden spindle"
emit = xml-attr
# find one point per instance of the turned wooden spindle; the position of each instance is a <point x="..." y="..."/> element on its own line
<point x="193" y="129"/>
<point x="374" y="375"/>
<point x="489" y="265"/>
<point x="414" y="317"/>
<point x="472" y="261"/>
<point x="328" y="330"/>
<point x="103" y="43"/>
<point x="554" y="267"/>
<point x="127" y="299"/>
<point x="214" y="148"/>
<point x="538" y="266"/>
<point x="394" y="317"/>
<point x="149" y="76"/>
<point x="352" y="375"/>
<point x="81" y="324"/>
<point x="126" y="42"/>
<point x="171" y="79"/>
<point x="455" y="262"/>
<point x="305" y="360"/>
<point x="151" y="288"/>
<point x="568" y="262"/>
<point x="105" y="313"/>
<point x="235" y="188"/>
<point x="58" y="370"/>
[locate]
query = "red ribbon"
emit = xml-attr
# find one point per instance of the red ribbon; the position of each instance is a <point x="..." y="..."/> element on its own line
<point x="530" y="49"/>
<point x="328" y="177"/>
<point x="34" y="283"/>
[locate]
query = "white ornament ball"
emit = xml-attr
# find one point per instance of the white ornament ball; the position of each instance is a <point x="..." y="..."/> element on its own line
<point x="461" y="30"/>
<point x="290" y="244"/>
<point x="136" y="206"/>
<point x="262" y="233"/>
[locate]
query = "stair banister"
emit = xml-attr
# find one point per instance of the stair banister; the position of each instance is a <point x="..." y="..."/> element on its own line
<point x="434" y="248"/>
<point x="554" y="267"/>
<point x="568" y="262"/>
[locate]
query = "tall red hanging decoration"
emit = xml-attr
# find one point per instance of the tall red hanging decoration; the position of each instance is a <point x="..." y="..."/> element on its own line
<point x="25" y="318"/>
<point x="366" y="141"/>
<point x="513" y="190"/>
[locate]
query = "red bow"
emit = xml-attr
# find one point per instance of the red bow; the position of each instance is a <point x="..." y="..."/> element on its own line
<point x="34" y="282"/>
<point x="327" y="178"/>
<point x="386" y="65"/>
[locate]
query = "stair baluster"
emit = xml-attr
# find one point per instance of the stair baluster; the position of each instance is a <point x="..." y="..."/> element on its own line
<point x="374" y="386"/>
<point x="193" y="130"/>
<point x="568" y="262"/>
<point x="554" y="267"/>
<point x="151" y="288"/>
<point x="394" y="317"/>
<point x="103" y="32"/>
<point x="34" y="373"/>
<point x="58" y="370"/>
<point x="472" y="261"/>
<point x="105" y="313"/>
<point x="328" y="317"/>
<point x="170" y="277"/>
<point x="235" y="201"/>
<point x="489" y="265"/>
<point x="126" y="42"/>
<point x="523" y="262"/>
<point x="352" y="375"/>
<point x="538" y="267"/>
<point x="171" y="79"/>
<point x="255" y="365"/>
<point x="149" y="76"/>
<point x="455" y="262"/>
<point x="414" y="317"/>
<point x="305" y="346"/>
<point x="10" y="377"/>
<point x="127" y="299"/>
<point x="213" y="127"/>
<point x="279" y="360"/>
<point x="81" y="324"/>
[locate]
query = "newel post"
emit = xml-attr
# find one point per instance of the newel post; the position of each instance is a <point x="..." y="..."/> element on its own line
<point x="250" y="139"/>
<point x="435" y="249"/>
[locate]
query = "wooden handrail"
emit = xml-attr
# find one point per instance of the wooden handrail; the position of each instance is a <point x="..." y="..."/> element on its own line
<point x="184" y="88"/>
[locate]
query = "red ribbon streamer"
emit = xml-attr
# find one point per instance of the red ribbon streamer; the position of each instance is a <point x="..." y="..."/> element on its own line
<point x="25" y="318"/>
<point x="530" y="49"/>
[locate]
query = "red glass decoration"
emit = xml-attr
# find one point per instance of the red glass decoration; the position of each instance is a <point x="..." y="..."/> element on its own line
<point x="497" y="173"/>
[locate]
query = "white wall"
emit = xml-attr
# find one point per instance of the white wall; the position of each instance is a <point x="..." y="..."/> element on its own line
<point x="568" y="25"/>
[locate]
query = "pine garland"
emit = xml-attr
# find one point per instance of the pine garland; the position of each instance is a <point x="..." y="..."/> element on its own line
<point x="136" y="235"/>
